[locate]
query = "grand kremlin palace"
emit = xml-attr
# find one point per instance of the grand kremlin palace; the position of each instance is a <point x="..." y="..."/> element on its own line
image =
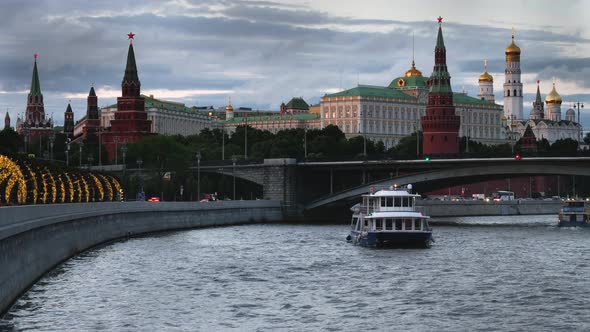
<point x="390" y="113"/>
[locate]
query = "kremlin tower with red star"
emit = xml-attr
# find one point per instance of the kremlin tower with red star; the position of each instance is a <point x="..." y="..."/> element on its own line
<point x="131" y="120"/>
<point x="440" y="124"/>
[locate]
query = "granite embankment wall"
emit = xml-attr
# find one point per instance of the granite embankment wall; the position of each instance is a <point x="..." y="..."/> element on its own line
<point x="34" y="239"/>
<point x="483" y="208"/>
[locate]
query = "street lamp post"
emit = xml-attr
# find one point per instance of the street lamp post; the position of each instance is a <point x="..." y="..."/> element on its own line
<point x="116" y="139"/>
<point x="246" y="139"/>
<point x="578" y="106"/>
<point x="305" y="142"/>
<point x="199" y="176"/>
<point x="99" y="146"/>
<point x="234" y="159"/>
<point x="139" y="162"/>
<point x="81" y="146"/>
<point x="68" y="152"/>
<point x="124" y="151"/>
<point x="51" y="141"/>
<point x="222" y="142"/>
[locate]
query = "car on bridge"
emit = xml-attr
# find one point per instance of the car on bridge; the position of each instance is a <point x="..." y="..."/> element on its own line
<point x="154" y="199"/>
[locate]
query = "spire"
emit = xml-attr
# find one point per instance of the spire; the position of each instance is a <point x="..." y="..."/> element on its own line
<point x="35" y="85"/>
<point x="131" y="69"/>
<point x="538" y="99"/>
<point x="92" y="93"/>
<point x="69" y="109"/>
<point x="440" y="43"/>
<point x="440" y="79"/>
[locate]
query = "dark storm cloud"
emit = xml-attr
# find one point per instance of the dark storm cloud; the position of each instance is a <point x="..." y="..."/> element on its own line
<point x="265" y="51"/>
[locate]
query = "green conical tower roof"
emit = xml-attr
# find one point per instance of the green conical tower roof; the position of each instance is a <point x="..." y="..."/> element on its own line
<point x="440" y="43"/>
<point x="35" y="85"/>
<point x="69" y="109"/>
<point x="538" y="100"/>
<point x="440" y="79"/>
<point x="92" y="93"/>
<point x="131" y="69"/>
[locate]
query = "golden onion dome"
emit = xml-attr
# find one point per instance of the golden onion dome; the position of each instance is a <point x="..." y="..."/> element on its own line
<point x="486" y="77"/>
<point x="229" y="108"/>
<point x="512" y="49"/>
<point x="553" y="97"/>
<point x="413" y="72"/>
<point x="504" y="118"/>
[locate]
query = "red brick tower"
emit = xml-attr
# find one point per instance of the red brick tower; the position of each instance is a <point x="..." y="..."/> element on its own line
<point x="131" y="121"/>
<point x="69" y="121"/>
<point x="440" y="124"/>
<point x="35" y="125"/>
<point x="92" y="124"/>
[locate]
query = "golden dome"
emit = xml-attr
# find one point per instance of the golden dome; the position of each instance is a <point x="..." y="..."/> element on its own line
<point x="553" y="97"/>
<point x="486" y="77"/>
<point x="504" y="118"/>
<point x="413" y="71"/>
<point x="512" y="49"/>
<point x="229" y="107"/>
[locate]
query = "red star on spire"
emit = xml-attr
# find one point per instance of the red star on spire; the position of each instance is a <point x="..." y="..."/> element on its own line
<point x="131" y="35"/>
<point x="35" y="55"/>
<point x="439" y="19"/>
<point x="538" y="81"/>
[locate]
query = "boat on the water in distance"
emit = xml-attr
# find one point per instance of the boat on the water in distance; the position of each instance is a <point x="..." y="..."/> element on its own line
<point x="388" y="218"/>
<point x="574" y="213"/>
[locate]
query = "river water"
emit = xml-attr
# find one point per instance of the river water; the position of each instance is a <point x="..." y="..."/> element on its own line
<point x="486" y="273"/>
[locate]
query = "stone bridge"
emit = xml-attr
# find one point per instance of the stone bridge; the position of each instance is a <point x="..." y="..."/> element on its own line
<point x="310" y="185"/>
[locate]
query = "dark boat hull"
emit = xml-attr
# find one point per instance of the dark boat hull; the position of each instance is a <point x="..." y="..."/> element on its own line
<point x="406" y="239"/>
<point x="563" y="223"/>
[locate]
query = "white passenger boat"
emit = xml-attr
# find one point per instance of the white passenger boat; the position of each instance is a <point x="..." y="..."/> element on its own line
<point x="388" y="218"/>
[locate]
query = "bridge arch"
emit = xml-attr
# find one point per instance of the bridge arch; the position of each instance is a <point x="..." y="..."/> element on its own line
<point x="465" y="173"/>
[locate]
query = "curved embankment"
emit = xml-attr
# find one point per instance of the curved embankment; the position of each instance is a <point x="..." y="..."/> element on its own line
<point x="36" y="238"/>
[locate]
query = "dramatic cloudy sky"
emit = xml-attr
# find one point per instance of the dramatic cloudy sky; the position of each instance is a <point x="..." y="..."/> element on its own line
<point x="264" y="52"/>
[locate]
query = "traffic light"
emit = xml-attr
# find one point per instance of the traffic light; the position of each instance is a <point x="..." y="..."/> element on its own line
<point x="517" y="157"/>
<point x="427" y="158"/>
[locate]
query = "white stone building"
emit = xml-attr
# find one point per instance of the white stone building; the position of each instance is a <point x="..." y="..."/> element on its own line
<point x="168" y="118"/>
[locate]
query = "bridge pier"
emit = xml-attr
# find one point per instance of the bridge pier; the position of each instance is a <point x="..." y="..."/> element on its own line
<point x="279" y="183"/>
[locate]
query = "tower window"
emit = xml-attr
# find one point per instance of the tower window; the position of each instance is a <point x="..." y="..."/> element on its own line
<point x="508" y="93"/>
<point x="515" y="93"/>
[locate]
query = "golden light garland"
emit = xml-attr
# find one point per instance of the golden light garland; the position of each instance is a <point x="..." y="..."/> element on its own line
<point x="98" y="186"/>
<point x="10" y="170"/>
<point x="108" y="186"/>
<point x="35" y="182"/>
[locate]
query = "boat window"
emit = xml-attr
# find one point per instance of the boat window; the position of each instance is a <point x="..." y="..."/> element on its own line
<point x="383" y="201"/>
<point x="408" y="224"/>
<point x="398" y="225"/>
<point x="388" y="224"/>
<point x="378" y="224"/>
<point x="417" y="224"/>
<point x="366" y="224"/>
<point x="389" y="201"/>
<point x="398" y="201"/>
<point x="354" y="220"/>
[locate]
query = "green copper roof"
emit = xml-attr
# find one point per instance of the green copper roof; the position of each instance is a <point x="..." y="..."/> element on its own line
<point x="440" y="77"/>
<point x="372" y="91"/>
<point x="439" y="39"/>
<point x="131" y="69"/>
<point x="538" y="99"/>
<point x="260" y="118"/>
<point x="297" y="103"/>
<point x="409" y="82"/>
<point x="35" y="85"/>
<point x="162" y="104"/>
<point x="461" y="98"/>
